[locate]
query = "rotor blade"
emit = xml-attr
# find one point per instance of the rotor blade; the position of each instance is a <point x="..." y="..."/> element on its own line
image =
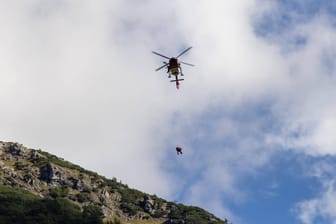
<point x="161" y="67"/>
<point x="160" y="55"/>
<point x="186" y="63"/>
<point x="183" y="52"/>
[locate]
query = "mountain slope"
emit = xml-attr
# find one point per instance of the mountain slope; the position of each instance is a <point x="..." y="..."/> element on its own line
<point x="48" y="177"/>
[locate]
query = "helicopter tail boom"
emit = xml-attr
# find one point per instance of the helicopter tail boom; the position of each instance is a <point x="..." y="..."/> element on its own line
<point x="176" y="80"/>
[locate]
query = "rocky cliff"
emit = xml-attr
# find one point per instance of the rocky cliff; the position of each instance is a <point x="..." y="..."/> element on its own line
<point x="48" y="176"/>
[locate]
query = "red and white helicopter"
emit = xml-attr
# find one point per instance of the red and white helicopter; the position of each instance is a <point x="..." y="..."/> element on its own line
<point x="174" y="66"/>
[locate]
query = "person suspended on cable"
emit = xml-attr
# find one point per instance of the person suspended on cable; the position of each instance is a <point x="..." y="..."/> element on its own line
<point x="178" y="150"/>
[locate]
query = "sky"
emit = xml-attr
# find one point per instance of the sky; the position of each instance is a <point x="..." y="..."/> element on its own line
<point x="255" y="117"/>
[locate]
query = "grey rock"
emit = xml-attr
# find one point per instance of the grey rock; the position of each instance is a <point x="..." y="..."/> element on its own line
<point x="15" y="149"/>
<point x="52" y="174"/>
<point x="149" y="205"/>
<point x="77" y="184"/>
<point x="35" y="155"/>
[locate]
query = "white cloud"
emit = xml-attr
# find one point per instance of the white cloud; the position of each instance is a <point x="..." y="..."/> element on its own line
<point x="69" y="89"/>
<point x="321" y="208"/>
<point x="78" y="80"/>
<point x="306" y="108"/>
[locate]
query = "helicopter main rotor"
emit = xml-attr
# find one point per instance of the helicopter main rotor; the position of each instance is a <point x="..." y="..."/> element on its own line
<point x="160" y="55"/>
<point x="183" y="52"/>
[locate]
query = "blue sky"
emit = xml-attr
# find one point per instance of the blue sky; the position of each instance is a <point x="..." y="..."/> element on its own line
<point x="291" y="13"/>
<point x="276" y="190"/>
<point x="255" y="116"/>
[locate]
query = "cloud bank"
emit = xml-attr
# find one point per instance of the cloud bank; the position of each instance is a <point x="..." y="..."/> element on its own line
<point x="78" y="79"/>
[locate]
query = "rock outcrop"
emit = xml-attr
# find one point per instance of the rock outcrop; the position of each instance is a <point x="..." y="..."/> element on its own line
<point x="42" y="173"/>
<point x="49" y="176"/>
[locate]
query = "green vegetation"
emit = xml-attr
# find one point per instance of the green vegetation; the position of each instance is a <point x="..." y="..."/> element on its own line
<point x="20" y="165"/>
<point x="19" y="206"/>
<point x="131" y="200"/>
<point x="83" y="197"/>
<point x="160" y="213"/>
<point x="59" y="192"/>
<point x="149" y="221"/>
<point x="93" y="214"/>
<point x="191" y="214"/>
<point x="49" y="158"/>
<point x="113" y="221"/>
<point x="158" y="200"/>
<point x="61" y="162"/>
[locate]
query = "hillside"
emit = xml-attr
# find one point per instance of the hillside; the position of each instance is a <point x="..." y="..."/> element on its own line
<point x="60" y="191"/>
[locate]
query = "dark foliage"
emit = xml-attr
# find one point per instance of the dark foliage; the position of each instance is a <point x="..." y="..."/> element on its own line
<point x="19" y="206"/>
<point x="59" y="192"/>
<point x="83" y="197"/>
<point x="20" y="165"/>
<point x="182" y="214"/>
<point x="131" y="200"/>
<point x="93" y="214"/>
<point x="61" y="162"/>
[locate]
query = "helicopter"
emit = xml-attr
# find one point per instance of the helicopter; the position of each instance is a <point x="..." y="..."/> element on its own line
<point x="174" y="66"/>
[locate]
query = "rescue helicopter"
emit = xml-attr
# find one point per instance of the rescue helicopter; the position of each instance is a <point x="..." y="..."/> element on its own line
<point x="174" y="66"/>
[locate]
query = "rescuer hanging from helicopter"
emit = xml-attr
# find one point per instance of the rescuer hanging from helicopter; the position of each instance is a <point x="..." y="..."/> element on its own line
<point x="178" y="150"/>
<point x="174" y="68"/>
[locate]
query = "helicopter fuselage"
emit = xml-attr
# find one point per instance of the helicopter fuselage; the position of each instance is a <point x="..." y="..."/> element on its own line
<point x="174" y="66"/>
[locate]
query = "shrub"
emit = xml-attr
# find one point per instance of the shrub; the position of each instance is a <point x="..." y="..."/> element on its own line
<point x="59" y="192"/>
<point x="93" y="214"/>
<point x="19" y="165"/>
<point x="114" y="221"/>
<point x="130" y="208"/>
<point x="19" y="206"/>
<point x="83" y="197"/>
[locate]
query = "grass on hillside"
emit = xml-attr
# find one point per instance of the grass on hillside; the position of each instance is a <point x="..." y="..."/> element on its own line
<point x="148" y="221"/>
<point x="145" y="222"/>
